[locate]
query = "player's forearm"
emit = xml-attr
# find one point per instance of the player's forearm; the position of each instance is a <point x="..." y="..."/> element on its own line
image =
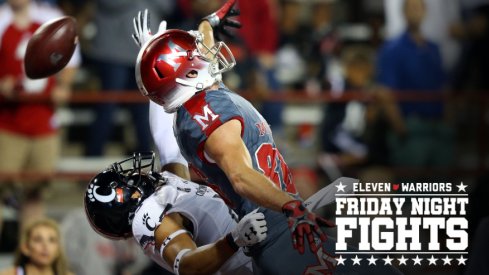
<point x="206" y="259"/>
<point x="206" y="29"/>
<point x="253" y="185"/>
<point x="177" y="169"/>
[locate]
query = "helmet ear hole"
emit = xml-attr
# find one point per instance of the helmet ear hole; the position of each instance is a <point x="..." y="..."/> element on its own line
<point x="159" y="73"/>
<point x="192" y="74"/>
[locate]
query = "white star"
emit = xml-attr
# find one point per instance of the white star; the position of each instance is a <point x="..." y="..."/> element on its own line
<point x="432" y="260"/>
<point x="402" y="260"/>
<point x="461" y="187"/>
<point x="461" y="260"/>
<point x="341" y="187"/>
<point x="417" y="260"/>
<point x="341" y="260"/>
<point x="372" y="260"/>
<point x="388" y="260"/>
<point x="356" y="260"/>
<point x="446" y="260"/>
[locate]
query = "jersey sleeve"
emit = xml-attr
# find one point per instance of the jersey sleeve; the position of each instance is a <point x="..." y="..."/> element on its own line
<point x="146" y="219"/>
<point x="161" y="124"/>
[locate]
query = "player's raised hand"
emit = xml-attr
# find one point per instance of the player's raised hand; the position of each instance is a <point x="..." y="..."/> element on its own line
<point x="303" y="223"/>
<point x="250" y="230"/>
<point x="220" y="19"/>
<point x="142" y="32"/>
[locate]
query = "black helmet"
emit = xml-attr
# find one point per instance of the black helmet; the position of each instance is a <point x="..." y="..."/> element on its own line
<point x="113" y="195"/>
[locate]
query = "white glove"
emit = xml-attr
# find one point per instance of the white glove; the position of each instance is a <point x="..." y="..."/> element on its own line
<point x="142" y="32"/>
<point x="250" y="230"/>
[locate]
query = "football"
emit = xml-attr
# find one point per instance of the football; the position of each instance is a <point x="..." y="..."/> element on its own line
<point x="50" y="47"/>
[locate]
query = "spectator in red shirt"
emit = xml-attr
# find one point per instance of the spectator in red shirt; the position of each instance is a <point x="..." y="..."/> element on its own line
<point x="29" y="139"/>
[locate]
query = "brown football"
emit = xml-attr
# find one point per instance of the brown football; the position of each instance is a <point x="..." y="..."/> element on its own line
<point x="50" y="47"/>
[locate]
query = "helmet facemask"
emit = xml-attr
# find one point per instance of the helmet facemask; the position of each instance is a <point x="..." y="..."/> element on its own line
<point x="219" y="59"/>
<point x="219" y="55"/>
<point x="134" y="173"/>
<point x="135" y="167"/>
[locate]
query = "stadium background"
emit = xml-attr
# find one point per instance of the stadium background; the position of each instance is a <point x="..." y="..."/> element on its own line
<point x="312" y="68"/>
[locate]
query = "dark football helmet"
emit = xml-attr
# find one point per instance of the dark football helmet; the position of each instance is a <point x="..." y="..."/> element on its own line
<point x="113" y="195"/>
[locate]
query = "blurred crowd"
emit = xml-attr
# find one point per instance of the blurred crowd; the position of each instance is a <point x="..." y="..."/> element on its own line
<point x="434" y="52"/>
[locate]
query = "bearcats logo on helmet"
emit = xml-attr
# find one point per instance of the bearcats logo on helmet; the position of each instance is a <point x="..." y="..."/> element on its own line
<point x="94" y="195"/>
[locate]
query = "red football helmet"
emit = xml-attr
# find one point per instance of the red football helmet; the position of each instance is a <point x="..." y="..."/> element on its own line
<point x="175" y="64"/>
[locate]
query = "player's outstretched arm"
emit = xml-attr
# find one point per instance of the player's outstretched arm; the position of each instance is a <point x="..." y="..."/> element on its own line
<point x="206" y="29"/>
<point x="228" y="150"/>
<point x="221" y="20"/>
<point x="218" y="22"/>
<point x="161" y="126"/>
<point x="185" y="257"/>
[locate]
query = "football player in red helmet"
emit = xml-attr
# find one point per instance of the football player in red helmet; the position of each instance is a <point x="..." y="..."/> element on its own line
<point x="177" y="64"/>
<point x="227" y="142"/>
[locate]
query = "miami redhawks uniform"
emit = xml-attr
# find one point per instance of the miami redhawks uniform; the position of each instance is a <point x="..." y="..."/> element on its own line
<point x="205" y="112"/>
<point x="211" y="219"/>
<point x="195" y="122"/>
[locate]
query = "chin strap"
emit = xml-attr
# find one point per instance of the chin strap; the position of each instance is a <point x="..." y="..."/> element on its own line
<point x="179" y="96"/>
<point x="199" y="86"/>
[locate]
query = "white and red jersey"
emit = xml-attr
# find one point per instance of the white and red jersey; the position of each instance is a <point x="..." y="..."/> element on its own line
<point x="211" y="219"/>
<point x="33" y="119"/>
<point x="205" y="112"/>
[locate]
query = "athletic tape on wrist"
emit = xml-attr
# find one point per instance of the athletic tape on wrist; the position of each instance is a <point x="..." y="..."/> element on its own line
<point x="231" y="242"/>
<point x="171" y="237"/>
<point x="176" y="263"/>
<point x="213" y="19"/>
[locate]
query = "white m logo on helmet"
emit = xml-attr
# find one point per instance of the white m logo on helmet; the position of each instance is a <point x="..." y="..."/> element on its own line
<point x="175" y="52"/>
<point x="206" y="118"/>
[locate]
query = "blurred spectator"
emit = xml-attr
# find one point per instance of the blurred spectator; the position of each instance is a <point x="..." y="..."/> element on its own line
<point x="291" y="54"/>
<point x="260" y="38"/>
<point x="340" y="139"/>
<point x="355" y="133"/>
<point x="473" y="64"/>
<point x="410" y="63"/>
<point x="113" y="54"/>
<point x="90" y="253"/>
<point x="29" y="137"/>
<point x="441" y="16"/>
<point x="306" y="46"/>
<point x="323" y="47"/>
<point x="40" y="251"/>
